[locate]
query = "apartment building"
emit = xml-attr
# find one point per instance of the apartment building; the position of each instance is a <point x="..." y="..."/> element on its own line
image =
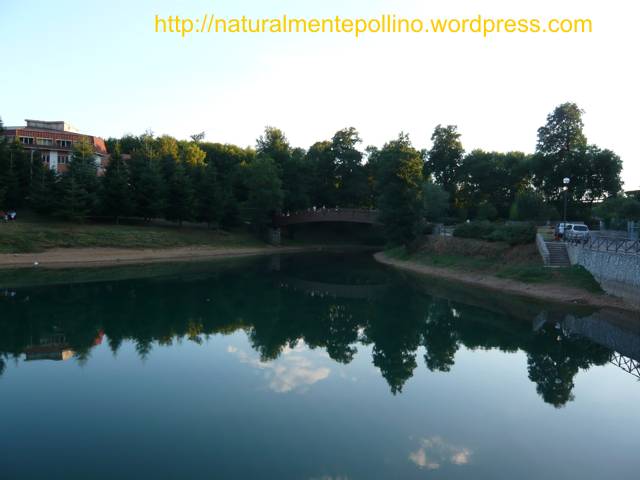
<point x="53" y="141"/>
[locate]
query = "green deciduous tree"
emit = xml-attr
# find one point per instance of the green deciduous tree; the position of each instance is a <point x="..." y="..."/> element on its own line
<point x="323" y="187"/>
<point x="191" y="154"/>
<point x="444" y="158"/>
<point x="350" y="174"/>
<point x="562" y="152"/>
<point x="528" y="205"/>
<point x="602" y="175"/>
<point x="562" y="135"/>
<point x="620" y="208"/>
<point x="492" y="177"/>
<point x="265" y="191"/>
<point x="436" y="201"/>
<point x="292" y="166"/>
<point x="296" y="181"/>
<point x="274" y="144"/>
<point x="400" y="183"/>
<point x="128" y="143"/>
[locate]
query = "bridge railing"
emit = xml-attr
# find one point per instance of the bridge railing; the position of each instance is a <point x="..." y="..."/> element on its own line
<point x="627" y="364"/>
<point x="614" y="245"/>
<point x="356" y="215"/>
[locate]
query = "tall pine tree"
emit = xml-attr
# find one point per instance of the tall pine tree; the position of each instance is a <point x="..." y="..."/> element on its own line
<point x="180" y="200"/>
<point x="78" y="188"/>
<point x="43" y="188"/>
<point x="147" y="183"/>
<point x="115" y="193"/>
<point x="209" y="196"/>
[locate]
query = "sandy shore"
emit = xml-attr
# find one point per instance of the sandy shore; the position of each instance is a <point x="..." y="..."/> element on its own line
<point x="89" y="257"/>
<point x="547" y="292"/>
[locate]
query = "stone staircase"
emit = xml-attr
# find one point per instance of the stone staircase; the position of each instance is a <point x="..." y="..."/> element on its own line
<point x="558" y="256"/>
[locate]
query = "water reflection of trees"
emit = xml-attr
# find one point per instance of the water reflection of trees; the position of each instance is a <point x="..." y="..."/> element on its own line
<point x="553" y="361"/>
<point x="395" y="325"/>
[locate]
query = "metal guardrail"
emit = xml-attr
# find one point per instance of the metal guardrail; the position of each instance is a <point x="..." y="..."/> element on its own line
<point x="614" y="245"/>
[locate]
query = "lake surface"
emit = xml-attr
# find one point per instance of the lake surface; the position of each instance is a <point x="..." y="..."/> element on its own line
<point x="307" y="367"/>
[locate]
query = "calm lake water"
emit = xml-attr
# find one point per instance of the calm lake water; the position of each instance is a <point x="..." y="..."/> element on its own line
<point x="307" y="367"/>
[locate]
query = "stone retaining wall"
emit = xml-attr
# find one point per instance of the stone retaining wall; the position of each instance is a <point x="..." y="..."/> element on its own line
<point x="617" y="273"/>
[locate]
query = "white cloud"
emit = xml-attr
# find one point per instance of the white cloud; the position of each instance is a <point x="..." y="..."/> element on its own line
<point x="292" y="371"/>
<point x="435" y="452"/>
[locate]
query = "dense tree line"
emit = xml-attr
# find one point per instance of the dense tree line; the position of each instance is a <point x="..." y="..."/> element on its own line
<point x="152" y="177"/>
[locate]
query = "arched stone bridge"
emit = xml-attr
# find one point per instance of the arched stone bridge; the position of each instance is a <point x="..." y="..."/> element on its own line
<point x="351" y="215"/>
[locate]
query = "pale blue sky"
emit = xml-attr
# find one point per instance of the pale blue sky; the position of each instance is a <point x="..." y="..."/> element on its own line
<point x="100" y="66"/>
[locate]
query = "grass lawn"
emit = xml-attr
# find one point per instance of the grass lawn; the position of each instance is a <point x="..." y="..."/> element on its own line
<point x="31" y="234"/>
<point x="526" y="270"/>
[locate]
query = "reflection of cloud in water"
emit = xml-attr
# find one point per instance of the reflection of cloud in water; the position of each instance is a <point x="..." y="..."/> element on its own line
<point x="291" y="371"/>
<point x="434" y="452"/>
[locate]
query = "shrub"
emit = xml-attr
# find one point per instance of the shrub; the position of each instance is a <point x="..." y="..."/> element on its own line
<point x="512" y="233"/>
<point x="479" y="230"/>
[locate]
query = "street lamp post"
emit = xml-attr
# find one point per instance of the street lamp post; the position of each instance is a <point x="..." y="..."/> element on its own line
<point x="566" y="181"/>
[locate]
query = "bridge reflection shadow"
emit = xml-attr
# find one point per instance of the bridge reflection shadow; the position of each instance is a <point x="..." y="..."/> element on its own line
<point x="321" y="289"/>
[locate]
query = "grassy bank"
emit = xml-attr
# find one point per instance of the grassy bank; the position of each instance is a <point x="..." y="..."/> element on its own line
<point x="36" y="235"/>
<point x="521" y="263"/>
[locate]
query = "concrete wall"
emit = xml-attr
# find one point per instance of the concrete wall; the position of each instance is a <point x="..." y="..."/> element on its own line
<point x="617" y="273"/>
<point x="543" y="249"/>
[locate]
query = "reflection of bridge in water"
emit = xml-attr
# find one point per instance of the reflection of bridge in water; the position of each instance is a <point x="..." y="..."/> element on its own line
<point x="333" y="290"/>
<point x="350" y="215"/>
<point x="599" y="328"/>
<point x="627" y="364"/>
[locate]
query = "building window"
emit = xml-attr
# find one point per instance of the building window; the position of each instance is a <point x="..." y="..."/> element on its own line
<point x="44" y="141"/>
<point x="45" y="158"/>
<point x="26" y="140"/>
<point x="64" y="143"/>
<point x="64" y="159"/>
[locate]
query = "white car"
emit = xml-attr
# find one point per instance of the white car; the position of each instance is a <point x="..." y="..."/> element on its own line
<point x="574" y="232"/>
